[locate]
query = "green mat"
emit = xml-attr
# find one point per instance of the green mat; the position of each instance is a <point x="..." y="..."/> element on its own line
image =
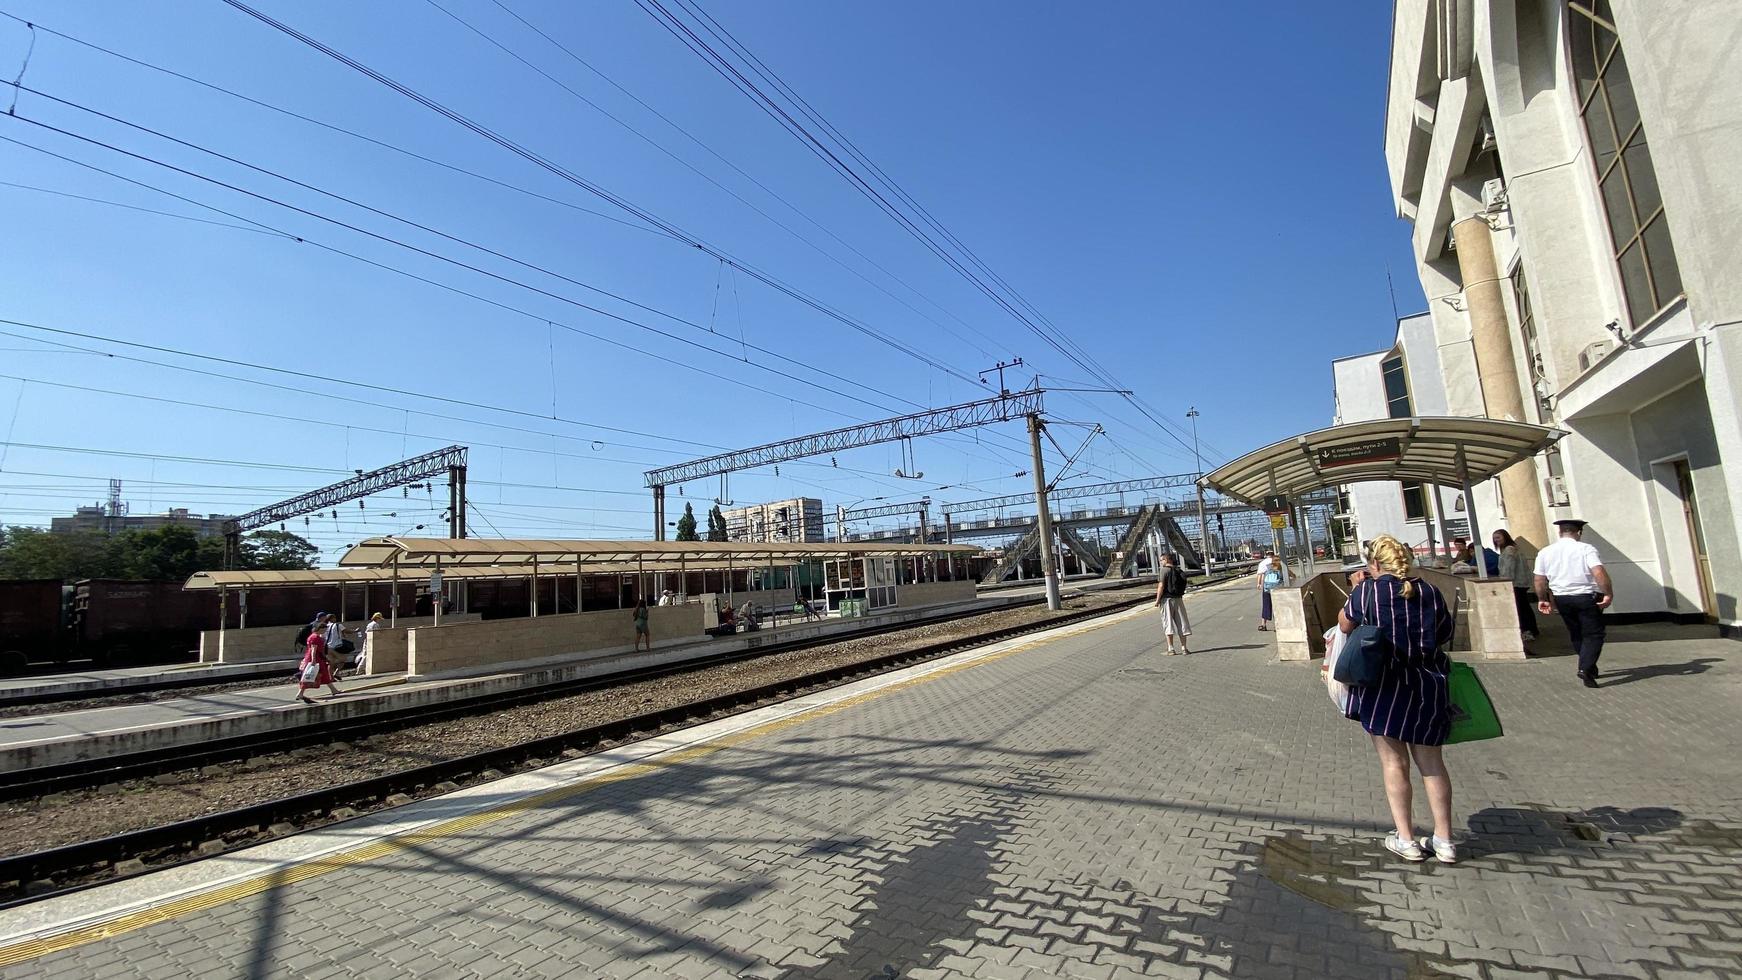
<point x="1473" y="714"/>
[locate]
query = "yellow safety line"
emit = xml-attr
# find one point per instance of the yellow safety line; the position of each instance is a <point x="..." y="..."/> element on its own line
<point x="153" y="915"/>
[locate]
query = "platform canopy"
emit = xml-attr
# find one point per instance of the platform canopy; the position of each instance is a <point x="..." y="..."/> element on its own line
<point x="1442" y="450"/>
<point x="279" y="578"/>
<point x="456" y="553"/>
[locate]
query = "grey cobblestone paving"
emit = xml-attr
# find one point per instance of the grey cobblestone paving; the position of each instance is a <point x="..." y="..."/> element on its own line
<point x="1086" y="808"/>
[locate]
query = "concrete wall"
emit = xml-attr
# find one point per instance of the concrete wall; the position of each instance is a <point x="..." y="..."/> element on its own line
<point x="262" y="643"/>
<point x="932" y="593"/>
<point x="461" y="646"/>
<point x="1487" y="615"/>
<point x="1486" y="618"/>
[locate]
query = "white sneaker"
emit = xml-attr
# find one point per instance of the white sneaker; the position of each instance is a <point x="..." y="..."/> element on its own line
<point x="1445" y="852"/>
<point x="1406" y="849"/>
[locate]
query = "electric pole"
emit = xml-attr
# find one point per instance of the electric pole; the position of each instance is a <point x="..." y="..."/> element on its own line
<point x="1203" y="525"/>
<point x="1045" y="519"/>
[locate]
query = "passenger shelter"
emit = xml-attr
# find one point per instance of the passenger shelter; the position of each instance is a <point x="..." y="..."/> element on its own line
<point x="1460" y="452"/>
<point x="860" y="578"/>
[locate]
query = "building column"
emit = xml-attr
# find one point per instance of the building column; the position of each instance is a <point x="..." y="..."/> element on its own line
<point x="1723" y="386"/>
<point x="1502" y="398"/>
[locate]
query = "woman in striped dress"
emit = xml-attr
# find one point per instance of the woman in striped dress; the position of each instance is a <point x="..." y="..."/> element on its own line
<point x="1408" y="710"/>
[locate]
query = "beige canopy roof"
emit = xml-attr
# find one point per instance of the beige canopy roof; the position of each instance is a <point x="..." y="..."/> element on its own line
<point x="455" y="553"/>
<point x="409" y="572"/>
<point x="201" y="581"/>
<point x="1448" y="451"/>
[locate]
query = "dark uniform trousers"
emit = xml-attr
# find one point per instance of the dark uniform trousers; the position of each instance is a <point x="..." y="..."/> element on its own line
<point x="1585" y="625"/>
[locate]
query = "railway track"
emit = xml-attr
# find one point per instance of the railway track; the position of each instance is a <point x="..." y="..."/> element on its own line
<point x="40" y="781"/>
<point x="29" y="877"/>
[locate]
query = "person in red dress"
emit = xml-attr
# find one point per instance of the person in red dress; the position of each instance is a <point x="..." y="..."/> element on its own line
<point x="315" y="656"/>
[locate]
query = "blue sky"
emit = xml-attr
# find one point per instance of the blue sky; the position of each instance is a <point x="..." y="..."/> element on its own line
<point x="1194" y="193"/>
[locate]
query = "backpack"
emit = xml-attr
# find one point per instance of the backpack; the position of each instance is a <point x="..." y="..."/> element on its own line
<point x="302" y="636"/>
<point x="1272" y="579"/>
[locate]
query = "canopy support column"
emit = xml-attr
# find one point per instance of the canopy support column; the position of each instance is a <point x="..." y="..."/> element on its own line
<point x="1470" y="509"/>
<point x="242" y="606"/>
<point x="1276" y="532"/>
<point x="393" y="600"/>
<point x="435" y="594"/>
<point x="534" y="587"/>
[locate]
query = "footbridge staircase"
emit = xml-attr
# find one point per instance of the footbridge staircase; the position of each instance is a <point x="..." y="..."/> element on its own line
<point x="1124" y="557"/>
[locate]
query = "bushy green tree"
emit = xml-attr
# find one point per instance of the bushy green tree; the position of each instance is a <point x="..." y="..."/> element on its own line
<point x="716" y="524"/>
<point x="171" y="552"/>
<point x="278" y="550"/>
<point x="686" y="525"/>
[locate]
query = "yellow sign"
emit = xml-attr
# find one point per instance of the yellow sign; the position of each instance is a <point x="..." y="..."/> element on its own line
<point x="1278" y="521"/>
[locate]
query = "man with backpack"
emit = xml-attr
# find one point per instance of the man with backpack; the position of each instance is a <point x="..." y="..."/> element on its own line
<point x="1170" y="596"/>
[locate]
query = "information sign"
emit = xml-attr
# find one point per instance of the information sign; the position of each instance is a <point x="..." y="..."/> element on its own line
<point x="1365" y="451"/>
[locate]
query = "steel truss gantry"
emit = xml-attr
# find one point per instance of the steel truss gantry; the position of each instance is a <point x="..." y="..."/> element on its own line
<point x="451" y="460"/>
<point x="920" y="507"/>
<point x="1063" y="493"/>
<point x="1002" y="408"/>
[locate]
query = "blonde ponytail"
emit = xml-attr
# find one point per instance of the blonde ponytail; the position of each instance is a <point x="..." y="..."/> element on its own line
<point x="1394" y="558"/>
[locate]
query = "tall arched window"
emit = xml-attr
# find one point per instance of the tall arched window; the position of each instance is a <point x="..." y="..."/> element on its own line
<point x="1637" y="228"/>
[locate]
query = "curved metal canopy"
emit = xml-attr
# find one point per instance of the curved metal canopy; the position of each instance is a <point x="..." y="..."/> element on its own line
<point x="1444" y="450"/>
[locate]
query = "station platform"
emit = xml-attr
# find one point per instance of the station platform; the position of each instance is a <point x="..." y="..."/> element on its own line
<point x="1070" y="804"/>
<point x="100" y="682"/>
<point x="51" y="739"/>
<point x="119" y="680"/>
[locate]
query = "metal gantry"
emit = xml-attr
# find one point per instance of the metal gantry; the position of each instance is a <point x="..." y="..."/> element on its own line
<point x="843" y="515"/>
<point x="1003" y="408"/>
<point x="1065" y="493"/>
<point x="451" y="461"/>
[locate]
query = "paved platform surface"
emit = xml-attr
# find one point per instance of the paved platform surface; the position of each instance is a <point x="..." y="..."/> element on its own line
<point x="1084" y="807"/>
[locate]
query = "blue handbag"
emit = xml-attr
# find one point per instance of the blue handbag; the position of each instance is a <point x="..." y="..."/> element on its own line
<point x="1363" y="657"/>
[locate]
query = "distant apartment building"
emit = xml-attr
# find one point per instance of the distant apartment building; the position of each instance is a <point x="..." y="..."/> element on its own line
<point x="97" y="518"/>
<point x="799" y="519"/>
<point x="1570" y="171"/>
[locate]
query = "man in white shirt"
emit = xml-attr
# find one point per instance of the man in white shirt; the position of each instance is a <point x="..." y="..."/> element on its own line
<point x="1571" y="580"/>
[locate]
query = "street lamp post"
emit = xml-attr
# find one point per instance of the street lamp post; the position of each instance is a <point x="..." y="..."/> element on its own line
<point x="1203" y="525"/>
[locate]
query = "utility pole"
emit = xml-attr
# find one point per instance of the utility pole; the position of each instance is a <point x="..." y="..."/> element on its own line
<point x="1045" y="529"/>
<point x="1203" y="525"/>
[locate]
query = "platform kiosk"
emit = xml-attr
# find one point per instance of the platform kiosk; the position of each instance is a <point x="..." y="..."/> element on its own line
<point x="855" y="586"/>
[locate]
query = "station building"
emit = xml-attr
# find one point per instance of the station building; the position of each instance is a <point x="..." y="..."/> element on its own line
<point x="1569" y="169"/>
<point x="1402" y="381"/>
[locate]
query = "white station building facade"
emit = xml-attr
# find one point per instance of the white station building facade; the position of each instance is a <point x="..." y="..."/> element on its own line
<point x="1570" y="172"/>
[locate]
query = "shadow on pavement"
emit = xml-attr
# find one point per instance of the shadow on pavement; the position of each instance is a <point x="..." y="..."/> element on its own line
<point x="1628" y="675"/>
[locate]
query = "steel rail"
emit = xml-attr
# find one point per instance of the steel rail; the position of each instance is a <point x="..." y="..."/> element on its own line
<point x="85" y="773"/>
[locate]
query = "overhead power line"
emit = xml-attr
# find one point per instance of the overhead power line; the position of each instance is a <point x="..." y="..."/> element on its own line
<point x="945" y="244"/>
<point x="389" y="239"/>
<point x="607" y="195"/>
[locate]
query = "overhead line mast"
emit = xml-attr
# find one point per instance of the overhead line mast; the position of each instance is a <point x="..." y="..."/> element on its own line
<point x="451" y="460"/>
